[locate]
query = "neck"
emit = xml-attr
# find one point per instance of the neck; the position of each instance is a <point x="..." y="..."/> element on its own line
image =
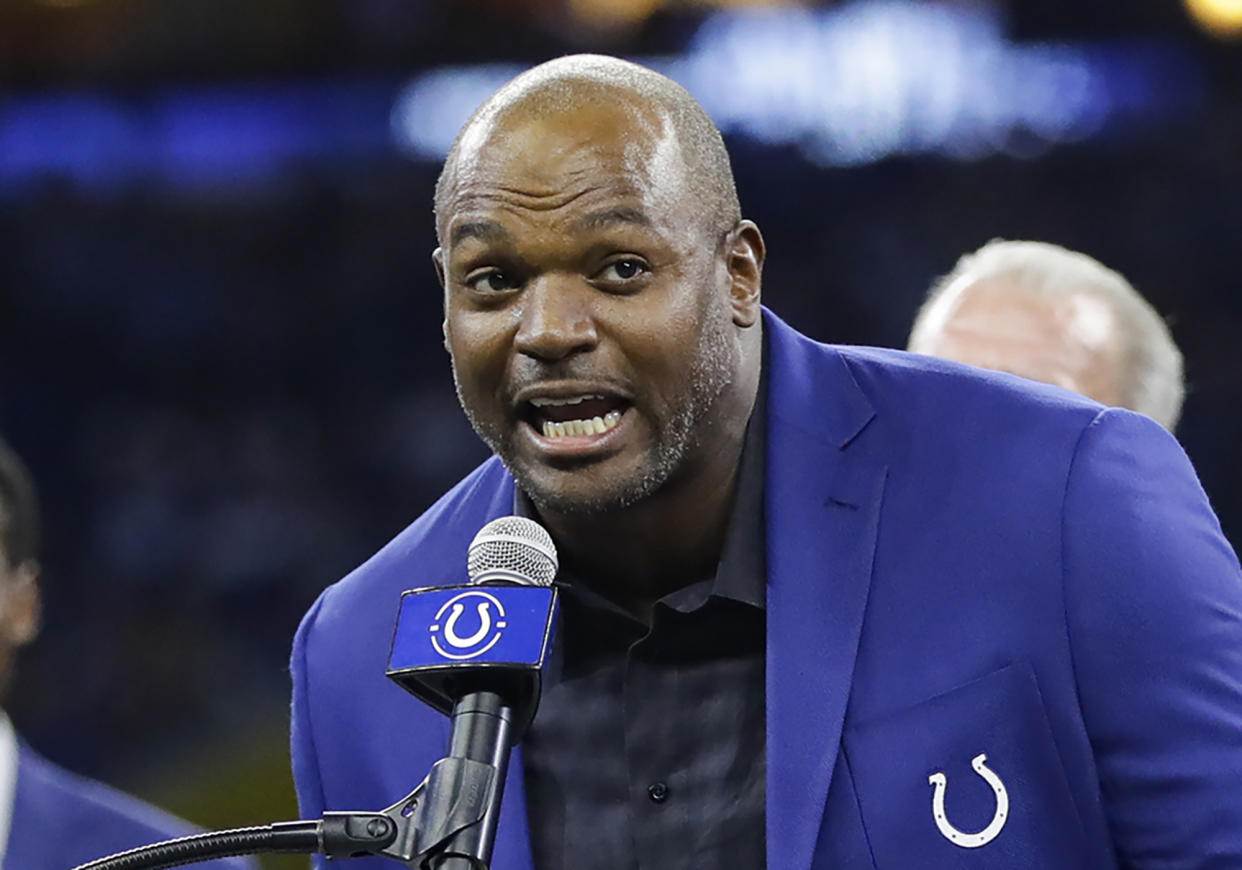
<point x="636" y="556"/>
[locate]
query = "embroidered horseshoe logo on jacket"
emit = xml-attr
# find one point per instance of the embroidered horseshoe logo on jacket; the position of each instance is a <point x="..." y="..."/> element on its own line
<point x="988" y="834"/>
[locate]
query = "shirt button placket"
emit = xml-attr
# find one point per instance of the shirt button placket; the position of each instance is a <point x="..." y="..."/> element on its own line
<point x="646" y="693"/>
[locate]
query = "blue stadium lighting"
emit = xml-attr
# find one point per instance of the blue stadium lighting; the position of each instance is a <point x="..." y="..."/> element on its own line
<point x="199" y="138"/>
<point x="83" y="136"/>
<point x="847" y="84"/>
<point x="858" y="83"/>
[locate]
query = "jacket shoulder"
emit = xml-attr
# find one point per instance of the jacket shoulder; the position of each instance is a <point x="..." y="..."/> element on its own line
<point x="63" y="818"/>
<point x="900" y="399"/>
<point x="340" y="654"/>
<point x="431" y="550"/>
<point x="923" y="385"/>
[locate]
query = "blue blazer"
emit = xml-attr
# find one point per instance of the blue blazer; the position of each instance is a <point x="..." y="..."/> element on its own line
<point x="61" y="820"/>
<point x="960" y="565"/>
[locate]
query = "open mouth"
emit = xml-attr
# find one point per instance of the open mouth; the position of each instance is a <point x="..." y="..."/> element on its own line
<point x="573" y="416"/>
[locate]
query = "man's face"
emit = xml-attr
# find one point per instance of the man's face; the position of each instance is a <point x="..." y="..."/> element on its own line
<point x="1070" y="341"/>
<point x="20" y="608"/>
<point x="586" y="309"/>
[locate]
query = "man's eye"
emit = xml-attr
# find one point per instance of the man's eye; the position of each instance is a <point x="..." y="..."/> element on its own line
<point x="491" y="280"/>
<point x="624" y="270"/>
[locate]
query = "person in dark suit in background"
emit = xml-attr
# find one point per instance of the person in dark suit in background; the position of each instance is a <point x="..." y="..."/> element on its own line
<point x="1046" y="313"/>
<point x="50" y="818"/>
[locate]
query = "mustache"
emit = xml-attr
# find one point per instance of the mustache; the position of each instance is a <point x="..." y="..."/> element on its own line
<point x="531" y="374"/>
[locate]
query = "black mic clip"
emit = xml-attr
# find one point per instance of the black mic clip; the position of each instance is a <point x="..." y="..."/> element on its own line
<point x="445" y="807"/>
<point x="449" y="821"/>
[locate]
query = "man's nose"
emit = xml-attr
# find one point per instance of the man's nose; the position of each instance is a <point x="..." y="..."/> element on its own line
<point x="557" y="320"/>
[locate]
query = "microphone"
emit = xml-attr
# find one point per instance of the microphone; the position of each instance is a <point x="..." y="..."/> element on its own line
<point x="475" y="652"/>
<point x="472" y="651"/>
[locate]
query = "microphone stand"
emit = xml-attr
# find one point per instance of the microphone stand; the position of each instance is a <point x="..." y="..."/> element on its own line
<point x="447" y="823"/>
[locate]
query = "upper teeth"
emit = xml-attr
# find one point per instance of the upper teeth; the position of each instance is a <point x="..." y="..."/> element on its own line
<point x="574" y="400"/>
<point x="594" y="426"/>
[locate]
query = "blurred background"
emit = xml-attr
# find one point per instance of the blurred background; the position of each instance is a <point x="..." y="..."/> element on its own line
<point x="219" y="327"/>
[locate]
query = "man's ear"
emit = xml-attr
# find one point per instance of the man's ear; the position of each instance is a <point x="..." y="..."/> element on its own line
<point x="437" y="260"/>
<point x="22" y="613"/>
<point x="744" y="256"/>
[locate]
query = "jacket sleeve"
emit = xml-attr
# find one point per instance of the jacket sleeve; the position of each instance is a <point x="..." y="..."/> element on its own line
<point x="1153" y="598"/>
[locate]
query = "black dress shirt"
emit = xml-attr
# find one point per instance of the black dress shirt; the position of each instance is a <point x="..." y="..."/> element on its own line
<point x="647" y="752"/>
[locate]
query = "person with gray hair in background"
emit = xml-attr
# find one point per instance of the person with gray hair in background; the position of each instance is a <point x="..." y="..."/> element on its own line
<point x="1049" y="314"/>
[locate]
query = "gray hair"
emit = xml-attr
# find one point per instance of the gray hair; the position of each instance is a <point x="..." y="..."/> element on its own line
<point x="1153" y="375"/>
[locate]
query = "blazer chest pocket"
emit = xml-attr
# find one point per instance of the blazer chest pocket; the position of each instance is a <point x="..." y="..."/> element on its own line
<point x="968" y="779"/>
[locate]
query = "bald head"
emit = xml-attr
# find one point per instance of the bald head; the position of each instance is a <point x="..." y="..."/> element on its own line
<point x="1049" y="314"/>
<point x="648" y="114"/>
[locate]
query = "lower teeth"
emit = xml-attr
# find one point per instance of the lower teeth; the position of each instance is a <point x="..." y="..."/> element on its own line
<point x="594" y="426"/>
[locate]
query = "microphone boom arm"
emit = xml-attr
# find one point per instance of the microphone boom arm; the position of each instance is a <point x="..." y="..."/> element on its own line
<point x="447" y="823"/>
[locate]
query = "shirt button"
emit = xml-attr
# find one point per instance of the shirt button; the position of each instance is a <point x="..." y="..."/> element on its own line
<point x="658" y="792"/>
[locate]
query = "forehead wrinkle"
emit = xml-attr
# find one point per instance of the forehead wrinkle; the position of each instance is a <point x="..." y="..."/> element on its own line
<point x="482" y="183"/>
<point x="609" y="217"/>
<point x="545" y="200"/>
<point x="488" y="195"/>
<point x="645" y="161"/>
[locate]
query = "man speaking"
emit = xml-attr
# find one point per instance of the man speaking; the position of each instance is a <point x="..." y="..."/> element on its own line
<point x="824" y="607"/>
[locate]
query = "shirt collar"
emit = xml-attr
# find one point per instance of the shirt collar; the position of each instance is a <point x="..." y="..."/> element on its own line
<point x="8" y="780"/>
<point x="742" y="572"/>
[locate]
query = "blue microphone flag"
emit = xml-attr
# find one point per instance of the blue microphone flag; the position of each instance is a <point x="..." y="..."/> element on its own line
<point x="469" y="632"/>
<point x="446" y="625"/>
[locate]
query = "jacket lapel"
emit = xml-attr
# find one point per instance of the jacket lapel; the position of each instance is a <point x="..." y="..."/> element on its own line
<point x="822" y="507"/>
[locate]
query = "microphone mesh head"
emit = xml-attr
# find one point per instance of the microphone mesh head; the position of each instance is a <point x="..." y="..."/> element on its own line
<point x="512" y="550"/>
